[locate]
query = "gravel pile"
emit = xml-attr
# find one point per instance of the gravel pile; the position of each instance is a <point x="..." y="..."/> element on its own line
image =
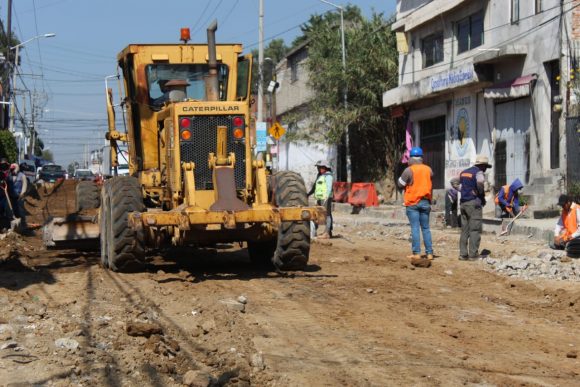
<point x="547" y="264"/>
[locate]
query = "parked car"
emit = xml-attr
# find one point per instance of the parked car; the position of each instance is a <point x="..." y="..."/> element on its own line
<point x="84" y="175"/>
<point x="51" y="173"/>
<point x="29" y="169"/>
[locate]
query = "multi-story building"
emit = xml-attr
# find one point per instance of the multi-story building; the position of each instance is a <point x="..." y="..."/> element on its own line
<point x="483" y="77"/>
<point x="291" y="100"/>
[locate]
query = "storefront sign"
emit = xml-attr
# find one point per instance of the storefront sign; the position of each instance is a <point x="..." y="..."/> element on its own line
<point x="452" y="78"/>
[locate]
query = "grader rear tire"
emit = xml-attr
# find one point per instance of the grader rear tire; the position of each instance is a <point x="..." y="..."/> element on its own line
<point x="293" y="244"/>
<point x="87" y="196"/>
<point x="121" y="245"/>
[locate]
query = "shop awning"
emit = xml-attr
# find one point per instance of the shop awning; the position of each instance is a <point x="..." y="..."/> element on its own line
<point x="519" y="87"/>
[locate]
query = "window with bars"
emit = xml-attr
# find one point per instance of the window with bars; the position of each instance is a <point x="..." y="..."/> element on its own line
<point x="469" y="32"/>
<point x="432" y="49"/>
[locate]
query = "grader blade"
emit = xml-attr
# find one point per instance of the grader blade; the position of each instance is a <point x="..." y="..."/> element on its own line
<point x="73" y="231"/>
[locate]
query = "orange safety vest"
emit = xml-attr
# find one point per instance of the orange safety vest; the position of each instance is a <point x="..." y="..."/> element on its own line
<point x="506" y="192"/>
<point x="570" y="222"/>
<point x="421" y="187"/>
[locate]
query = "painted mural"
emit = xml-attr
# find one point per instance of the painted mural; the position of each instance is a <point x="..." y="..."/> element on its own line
<point x="460" y="146"/>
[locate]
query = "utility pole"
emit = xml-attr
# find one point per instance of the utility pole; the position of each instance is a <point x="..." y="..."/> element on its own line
<point x="260" y="61"/>
<point x="564" y="86"/>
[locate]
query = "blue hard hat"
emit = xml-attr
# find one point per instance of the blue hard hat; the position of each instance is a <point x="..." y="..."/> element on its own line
<point x="416" y="152"/>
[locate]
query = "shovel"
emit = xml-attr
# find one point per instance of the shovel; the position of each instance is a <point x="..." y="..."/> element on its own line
<point x="510" y="225"/>
<point x="14" y="222"/>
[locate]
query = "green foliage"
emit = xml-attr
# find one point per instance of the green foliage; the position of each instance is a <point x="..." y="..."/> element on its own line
<point x="371" y="69"/>
<point x="8" y="147"/>
<point x="47" y="155"/>
<point x="38" y="147"/>
<point x="574" y="190"/>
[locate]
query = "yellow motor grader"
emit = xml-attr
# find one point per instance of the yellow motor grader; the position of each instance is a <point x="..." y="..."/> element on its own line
<point x="193" y="176"/>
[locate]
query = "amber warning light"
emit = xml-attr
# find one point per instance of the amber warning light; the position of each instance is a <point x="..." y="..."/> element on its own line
<point x="185" y="35"/>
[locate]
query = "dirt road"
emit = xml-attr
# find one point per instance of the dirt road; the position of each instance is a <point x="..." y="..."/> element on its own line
<point x="361" y="315"/>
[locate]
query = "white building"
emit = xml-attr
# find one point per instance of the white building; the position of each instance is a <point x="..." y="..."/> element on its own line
<point x="482" y="77"/>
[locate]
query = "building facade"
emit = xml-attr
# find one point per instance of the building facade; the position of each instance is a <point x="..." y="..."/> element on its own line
<point x="292" y="97"/>
<point x="483" y="77"/>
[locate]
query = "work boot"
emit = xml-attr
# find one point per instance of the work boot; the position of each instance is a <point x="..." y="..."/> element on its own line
<point x="324" y="236"/>
<point x="430" y="257"/>
<point x="414" y="256"/>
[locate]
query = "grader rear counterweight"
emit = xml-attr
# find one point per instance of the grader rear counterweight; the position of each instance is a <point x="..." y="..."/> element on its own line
<point x="194" y="179"/>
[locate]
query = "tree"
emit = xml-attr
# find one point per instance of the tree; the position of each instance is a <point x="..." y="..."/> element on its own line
<point x="371" y="69"/>
<point x="8" y="147"/>
<point x="47" y="155"/>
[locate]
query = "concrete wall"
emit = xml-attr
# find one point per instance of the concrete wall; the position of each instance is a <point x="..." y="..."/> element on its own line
<point x="301" y="156"/>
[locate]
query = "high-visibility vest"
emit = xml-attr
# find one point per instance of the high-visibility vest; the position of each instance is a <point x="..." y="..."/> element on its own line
<point x="570" y="222"/>
<point x="506" y="192"/>
<point x="421" y="187"/>
<point x="321" y="188"/>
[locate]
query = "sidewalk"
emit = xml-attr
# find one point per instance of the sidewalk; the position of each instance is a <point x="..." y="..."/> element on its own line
<point x="539" y="229"/>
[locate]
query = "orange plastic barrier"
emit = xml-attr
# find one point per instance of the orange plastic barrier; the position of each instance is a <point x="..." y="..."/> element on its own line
<point x="363" y="195"/>
<point x="340" y="191"/>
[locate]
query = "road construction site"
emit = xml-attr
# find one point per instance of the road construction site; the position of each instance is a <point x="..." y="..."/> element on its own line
<point x="359" y="314"/>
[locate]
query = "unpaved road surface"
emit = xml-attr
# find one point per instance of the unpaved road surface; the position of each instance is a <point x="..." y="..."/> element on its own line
<point x="360" y="315"/>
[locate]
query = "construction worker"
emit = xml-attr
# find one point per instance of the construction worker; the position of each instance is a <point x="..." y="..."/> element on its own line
<point x="5" y="207"/>
<point x="472" y="202"/>
<point x="18" y="190"/>
<point x="322" y="190"/>
<point x="507" y="199"/>
<point x="451" y="204"/>
<point x="568" y="226"/>
<point x="416" y="179"/>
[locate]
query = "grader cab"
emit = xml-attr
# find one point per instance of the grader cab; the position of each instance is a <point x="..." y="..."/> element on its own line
<point x="193" y="177"/>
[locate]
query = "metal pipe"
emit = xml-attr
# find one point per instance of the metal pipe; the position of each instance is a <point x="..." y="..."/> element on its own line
<point x="212" y="86"/>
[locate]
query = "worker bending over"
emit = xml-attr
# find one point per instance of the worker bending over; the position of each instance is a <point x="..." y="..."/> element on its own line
<point x="508" y="199"/>
<point x="567" y="227"/>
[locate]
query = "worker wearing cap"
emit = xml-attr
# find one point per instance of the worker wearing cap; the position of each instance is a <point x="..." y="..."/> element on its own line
<point x="18" y="190"/>
<point x="416" y="180"/>
<point x="568" y="226"/>
<point x="174" y="90"/>
<point x="472" y="202"/>
<point x="322" y="190"/>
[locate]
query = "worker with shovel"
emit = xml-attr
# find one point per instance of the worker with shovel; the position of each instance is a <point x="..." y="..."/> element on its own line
<point x="507" y="199"/>
<point x="5" y="206"/>
<point x="18" y="190"/>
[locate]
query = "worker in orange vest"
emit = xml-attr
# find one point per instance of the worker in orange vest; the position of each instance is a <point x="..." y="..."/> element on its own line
<point x="416" y="180"/>
<point x="507" y="199"/>
<point x="568" y="226"/>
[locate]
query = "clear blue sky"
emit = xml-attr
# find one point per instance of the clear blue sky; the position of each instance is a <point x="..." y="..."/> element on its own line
<point x="68" y="71"/>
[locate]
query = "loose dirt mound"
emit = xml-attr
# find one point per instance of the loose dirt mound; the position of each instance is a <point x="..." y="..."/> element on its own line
<point x="51" y="200"/>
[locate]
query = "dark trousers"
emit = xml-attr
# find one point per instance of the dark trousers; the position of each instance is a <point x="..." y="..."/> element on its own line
<point x="471" y="227"/>
<point x="451" y="218"/>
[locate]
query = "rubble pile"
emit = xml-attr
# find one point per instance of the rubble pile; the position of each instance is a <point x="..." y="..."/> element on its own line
<point x="547" y="264"/>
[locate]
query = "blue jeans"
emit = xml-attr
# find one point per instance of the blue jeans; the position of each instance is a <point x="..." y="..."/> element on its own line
<point x="419" y="219"/>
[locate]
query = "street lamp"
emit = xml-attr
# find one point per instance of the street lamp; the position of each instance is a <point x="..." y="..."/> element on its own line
<point x="341" y="9"/>
<point x="17" y="48"/>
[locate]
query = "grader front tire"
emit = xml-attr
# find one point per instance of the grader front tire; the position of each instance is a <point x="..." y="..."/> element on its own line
<point x="293" y="244"/>
<point x="121" y="245"/>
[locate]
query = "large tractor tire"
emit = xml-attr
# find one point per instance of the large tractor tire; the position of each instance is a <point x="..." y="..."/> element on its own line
<point x="293" y="244"/>
<point x="121" y="245"/>
<point x="87" y="196"/>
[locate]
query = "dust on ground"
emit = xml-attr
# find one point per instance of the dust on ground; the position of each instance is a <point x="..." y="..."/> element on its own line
<point x="360" y="314"/>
